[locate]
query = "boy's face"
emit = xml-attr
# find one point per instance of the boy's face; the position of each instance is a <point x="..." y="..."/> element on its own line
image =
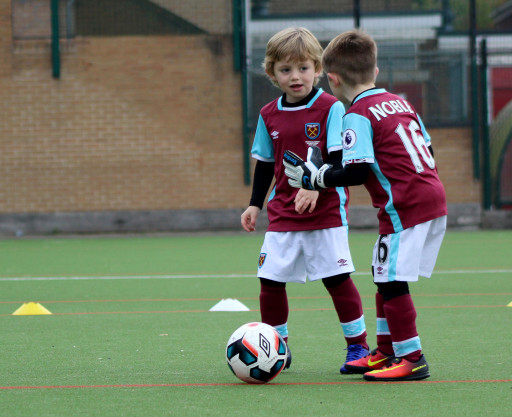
<point x="296" y="79"/>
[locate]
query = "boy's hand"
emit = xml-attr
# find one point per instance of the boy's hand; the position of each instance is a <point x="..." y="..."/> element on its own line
<point x="305" y="174"/>
<point x="249" y="217"/>
<point x="306" y="200"/>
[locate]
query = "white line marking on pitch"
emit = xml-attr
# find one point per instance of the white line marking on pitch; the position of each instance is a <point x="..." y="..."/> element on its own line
<point x="192" y="276"/>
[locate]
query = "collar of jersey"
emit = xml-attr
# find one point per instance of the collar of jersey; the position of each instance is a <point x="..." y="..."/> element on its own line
<point x="306" y="106"/>
<point x="370" y="92"/>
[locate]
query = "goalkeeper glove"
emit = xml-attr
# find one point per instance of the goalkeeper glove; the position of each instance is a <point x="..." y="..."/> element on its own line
<point x="309" y="174"/>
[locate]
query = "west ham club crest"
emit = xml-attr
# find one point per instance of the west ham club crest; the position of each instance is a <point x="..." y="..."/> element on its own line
<point x="312" y="130"/>
<point x="263" y="256"/>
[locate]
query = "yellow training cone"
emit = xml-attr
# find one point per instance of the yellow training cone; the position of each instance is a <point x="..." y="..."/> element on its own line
<point x="31" y="309"/>
<point x="509" y="304"/>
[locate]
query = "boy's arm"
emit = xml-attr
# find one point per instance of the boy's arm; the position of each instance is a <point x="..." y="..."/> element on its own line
<point x="263" y="175"/>
<point x="335" y="158"/>
<point x="352" y="174"/>
<point x="337" y="176"/>
<point x="313" y="174"/>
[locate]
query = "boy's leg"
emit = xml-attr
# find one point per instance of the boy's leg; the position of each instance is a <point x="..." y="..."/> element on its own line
<point x="400" y="258"/>
<point x="384" y="342"/>
<point x="396" y="261"/>
<point x="348" y="305"/>
<point x="281" y="261"/>
<point x="328" y="258"/>
<point x="400" y="316"/>
<point x="274" y="305"/>
<point x="409" y="363"/>
<point x="274" y="308"/>
<point x="383" y="354"/>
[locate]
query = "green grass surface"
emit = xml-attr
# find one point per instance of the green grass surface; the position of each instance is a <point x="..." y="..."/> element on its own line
<point x="131" y="334"/>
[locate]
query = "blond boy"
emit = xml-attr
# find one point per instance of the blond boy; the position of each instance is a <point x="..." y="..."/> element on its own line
<point x="307" y="236"/>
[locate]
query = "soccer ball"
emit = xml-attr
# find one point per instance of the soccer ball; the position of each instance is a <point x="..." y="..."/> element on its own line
<point x="256" y="353"/>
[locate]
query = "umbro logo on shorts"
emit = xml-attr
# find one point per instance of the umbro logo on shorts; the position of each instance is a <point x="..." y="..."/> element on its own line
<point x="342" y="262"/>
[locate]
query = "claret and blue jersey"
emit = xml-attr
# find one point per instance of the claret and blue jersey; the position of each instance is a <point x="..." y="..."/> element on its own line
<point x="383" y="130"/>
<point x="281" y="128"/>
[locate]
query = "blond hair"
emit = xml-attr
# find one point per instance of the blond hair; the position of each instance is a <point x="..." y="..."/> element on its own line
<point x="295" y="44"/>
<point x="353" y="55"/>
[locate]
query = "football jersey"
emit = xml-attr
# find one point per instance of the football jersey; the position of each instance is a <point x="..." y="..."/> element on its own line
<point x="384" y="130"/>
<point x="280" y="128"/>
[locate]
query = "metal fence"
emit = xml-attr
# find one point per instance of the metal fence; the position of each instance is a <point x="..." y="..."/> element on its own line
<point x="430" y="51"/>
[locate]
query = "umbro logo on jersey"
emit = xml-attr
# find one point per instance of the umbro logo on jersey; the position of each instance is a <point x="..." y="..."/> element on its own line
<point x="275" y="134"/>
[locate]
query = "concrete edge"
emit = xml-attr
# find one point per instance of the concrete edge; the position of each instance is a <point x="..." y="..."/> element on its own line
<point x="361" y="217"/>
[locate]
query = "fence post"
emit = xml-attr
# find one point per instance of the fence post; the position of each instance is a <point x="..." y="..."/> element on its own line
<point x="237" y="36"/>
<point x="484" y="118"/>
<point x="474" y="90"/>
<point x="55" y="39"/>
<point x="240" y="64"/>
<point x="357" y="14"/>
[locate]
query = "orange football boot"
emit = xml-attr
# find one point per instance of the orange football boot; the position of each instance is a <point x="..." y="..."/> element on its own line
<point x="374" y="360"/>
<point x="400" y="369"/>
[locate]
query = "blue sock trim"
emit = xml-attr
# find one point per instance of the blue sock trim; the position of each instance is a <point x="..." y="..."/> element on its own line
<point x="354" y="328"/>
<point x="405" y="347"/>
<point x="282" y="329"/>
<point x="382" y="326"/>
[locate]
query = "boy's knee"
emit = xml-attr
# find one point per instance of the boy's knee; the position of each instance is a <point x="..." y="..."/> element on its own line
<point x="269" y="283"/>
<point x="394" y="289"/>
<point x="335" y="280"/>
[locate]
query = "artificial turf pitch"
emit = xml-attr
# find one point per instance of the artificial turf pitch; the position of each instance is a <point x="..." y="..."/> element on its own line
<point x="131" y="333"/>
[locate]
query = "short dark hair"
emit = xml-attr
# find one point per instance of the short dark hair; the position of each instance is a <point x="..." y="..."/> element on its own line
<point x="353" y="55"/>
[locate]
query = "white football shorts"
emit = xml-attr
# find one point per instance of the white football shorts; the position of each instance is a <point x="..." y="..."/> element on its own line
<point x="305" y="255"/>
<point x="406" y="255"/>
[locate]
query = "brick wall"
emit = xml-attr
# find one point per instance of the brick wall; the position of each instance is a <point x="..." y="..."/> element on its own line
<point x="140" y="123"/>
